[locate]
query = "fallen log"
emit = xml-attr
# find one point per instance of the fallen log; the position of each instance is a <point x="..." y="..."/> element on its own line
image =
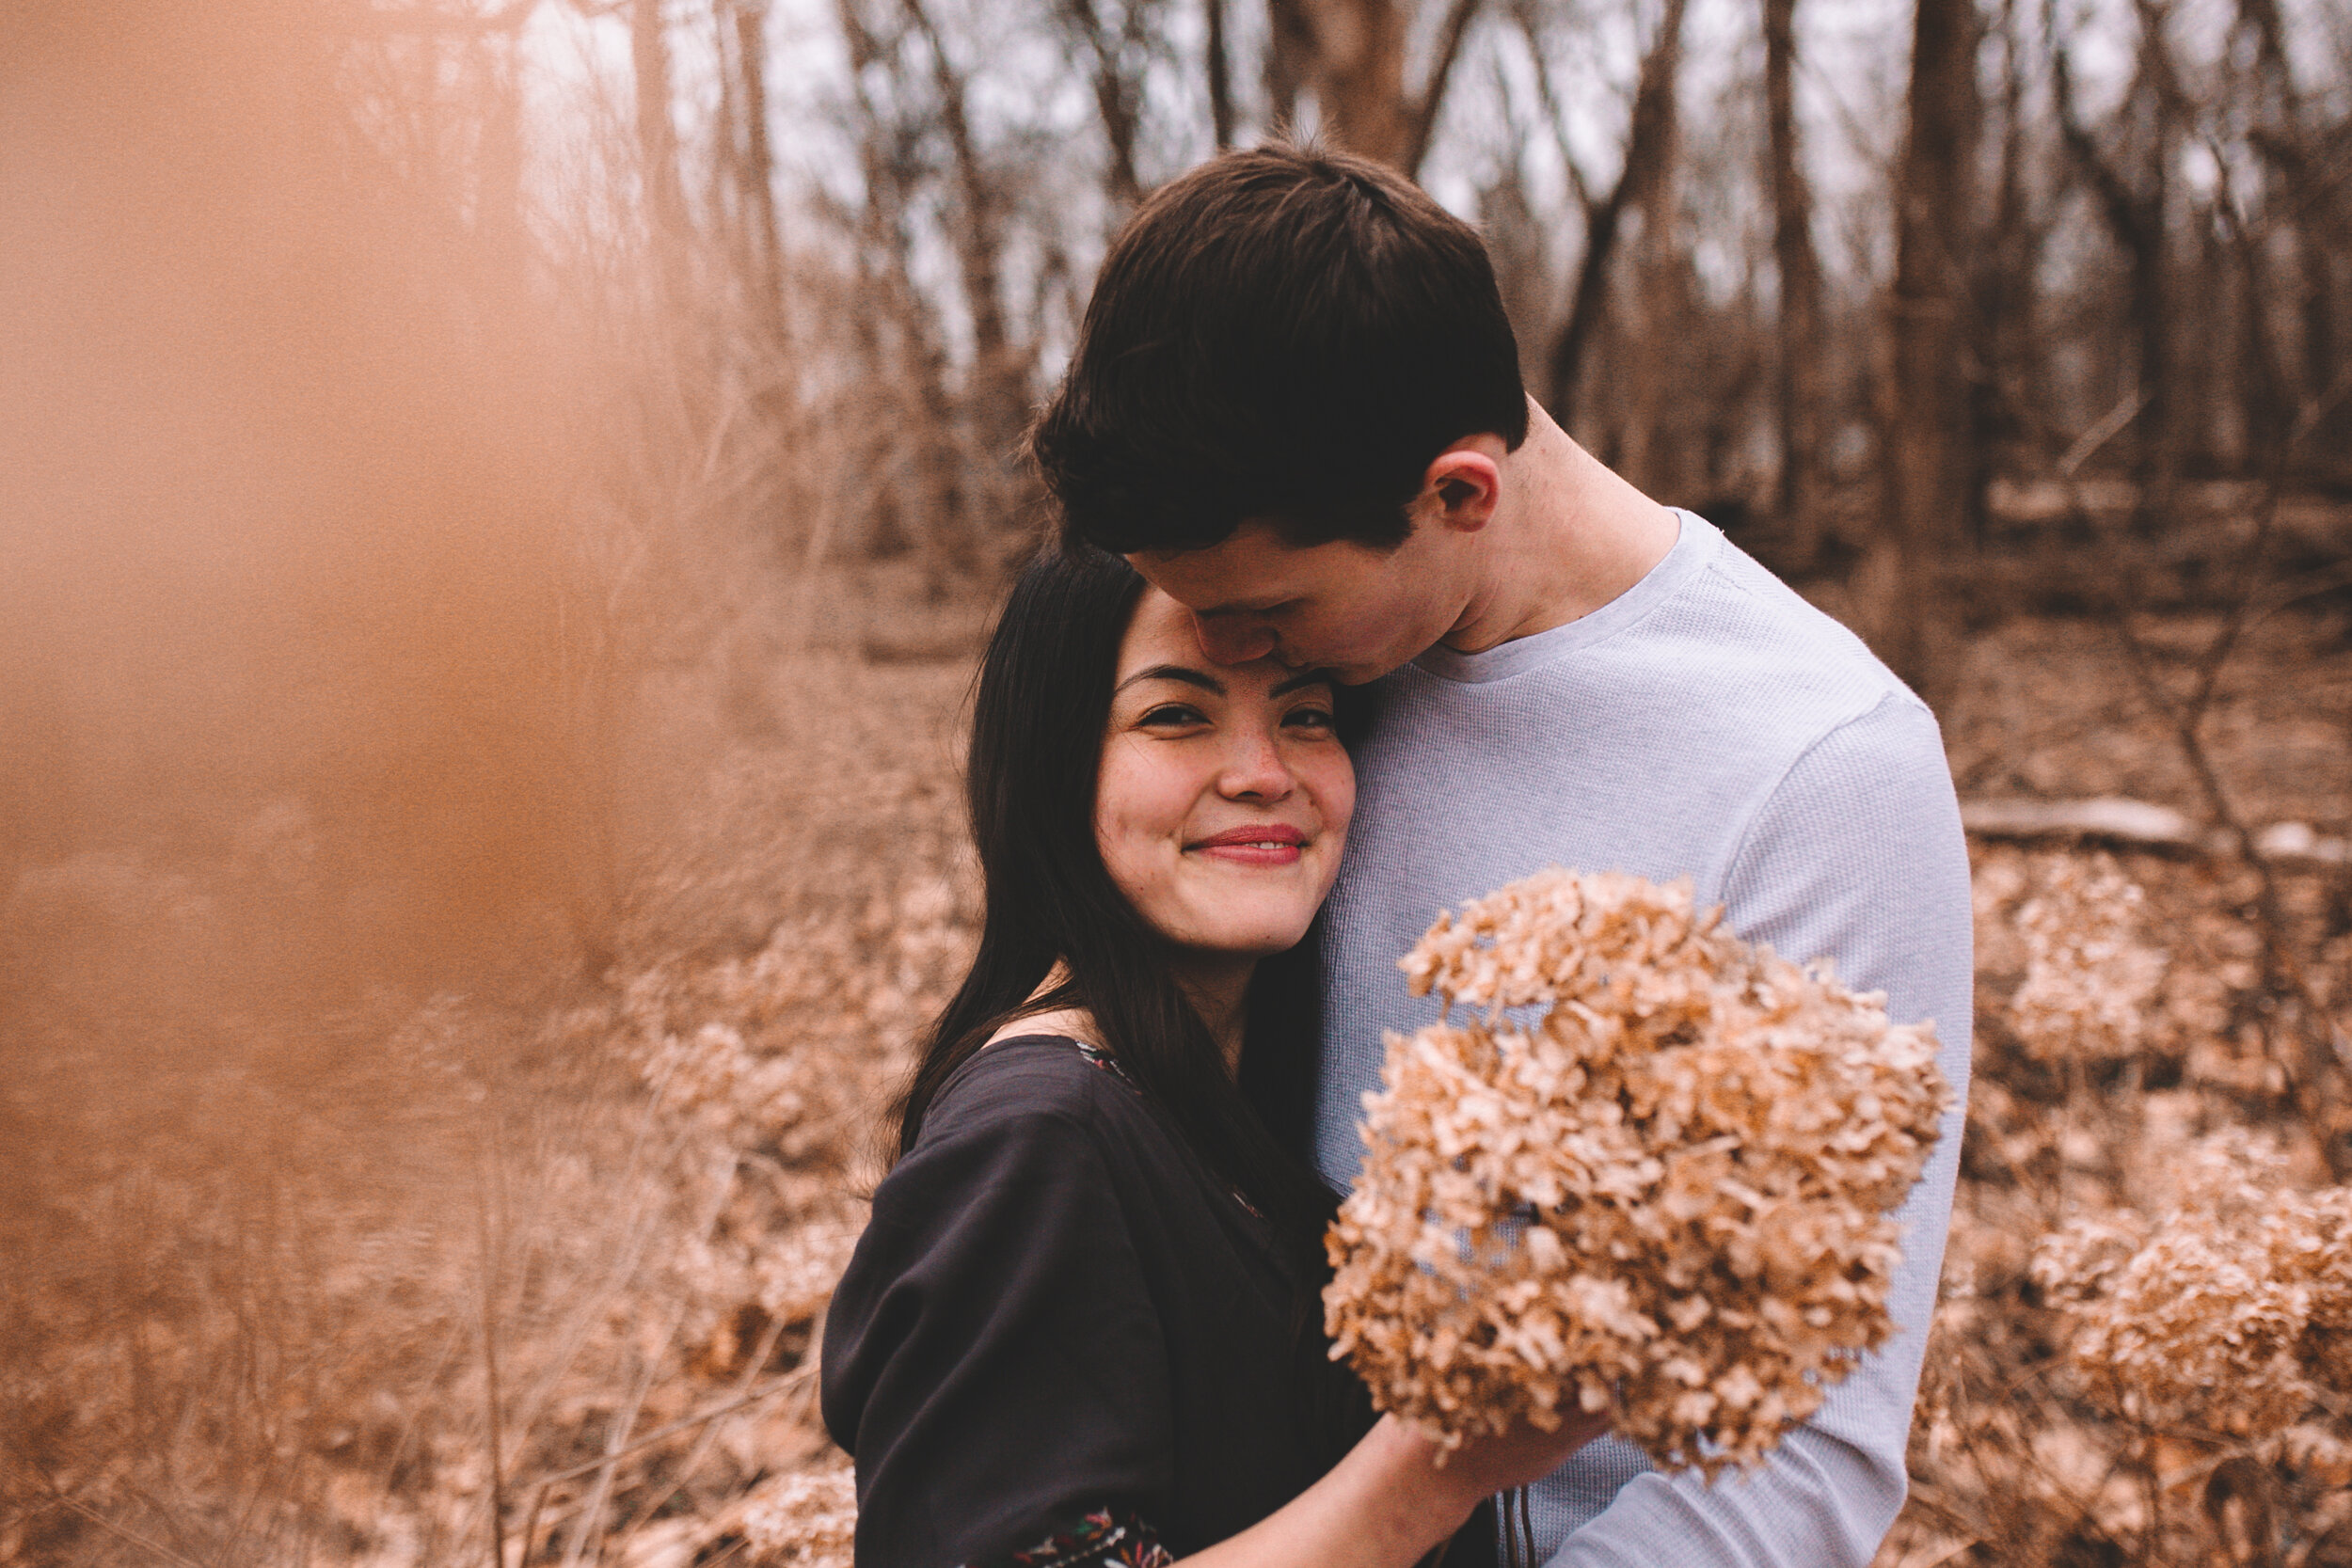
<point x="2114" y="820"/>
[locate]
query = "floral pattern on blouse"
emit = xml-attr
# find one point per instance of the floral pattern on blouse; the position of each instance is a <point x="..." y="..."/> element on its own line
<point x="1101" y="1539"/>
<point x="1109" y="1064"/>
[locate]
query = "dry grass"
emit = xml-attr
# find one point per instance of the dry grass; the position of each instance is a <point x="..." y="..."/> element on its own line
<point x="561" y="1256"/>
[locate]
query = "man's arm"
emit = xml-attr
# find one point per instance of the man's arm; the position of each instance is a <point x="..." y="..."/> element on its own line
<point x="1857" y="855"/>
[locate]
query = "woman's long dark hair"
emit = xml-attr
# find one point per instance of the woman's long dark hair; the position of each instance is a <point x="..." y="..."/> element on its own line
<point x="1038" y="726"/>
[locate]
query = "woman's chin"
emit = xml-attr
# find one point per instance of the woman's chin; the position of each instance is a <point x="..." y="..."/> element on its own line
<point x="1236" y="939"/>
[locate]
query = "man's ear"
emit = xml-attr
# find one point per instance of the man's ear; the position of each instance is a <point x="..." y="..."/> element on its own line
<point x="1463" y="483"/>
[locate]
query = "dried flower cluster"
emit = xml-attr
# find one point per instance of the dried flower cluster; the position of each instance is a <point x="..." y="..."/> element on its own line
<point x="2090" y="978"/>
<point x="803" y="1519"/>
<point x="1666" y="1193"/>
<point x="2231" y="1310"/>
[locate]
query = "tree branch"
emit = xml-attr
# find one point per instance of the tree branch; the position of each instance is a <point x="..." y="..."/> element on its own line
<point x="1220" y="81"/>
<point x="1424" y="123"/>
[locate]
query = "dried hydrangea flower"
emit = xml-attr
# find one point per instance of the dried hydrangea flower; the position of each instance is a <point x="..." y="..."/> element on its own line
<point x="1648" y="1171"/>
<point x="2229" y="1311"/>
<point x="2089" y="976"/>
<point x="806" y="1519"/>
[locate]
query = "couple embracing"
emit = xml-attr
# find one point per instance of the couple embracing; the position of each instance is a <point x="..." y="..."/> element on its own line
<point x="1342" y="631"/>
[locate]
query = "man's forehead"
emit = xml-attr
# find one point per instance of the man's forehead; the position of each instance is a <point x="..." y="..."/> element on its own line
<point x="1251" y="570"/>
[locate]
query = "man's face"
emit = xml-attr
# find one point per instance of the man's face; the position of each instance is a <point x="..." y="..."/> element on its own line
<point x="1355" y="611"/>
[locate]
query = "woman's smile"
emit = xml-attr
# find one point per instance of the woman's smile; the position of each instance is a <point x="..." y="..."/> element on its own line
<point x="1274" y="844"/>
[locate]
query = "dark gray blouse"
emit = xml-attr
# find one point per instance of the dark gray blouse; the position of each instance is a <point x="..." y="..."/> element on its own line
<point x="1062" y="1341"/>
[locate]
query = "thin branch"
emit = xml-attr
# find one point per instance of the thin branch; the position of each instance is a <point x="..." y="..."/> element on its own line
<point x="1424" y="121"/>
<point x="1546" y="94"/>
<point x="759" y="1358"/>
<point x="2324" y="1061"/>
<point x="2111" y="425"/>
<point x="794" y="1379"/>
<point x="490" y="1269"/>
<point x="1221" y="79"/>
<point x="107" y="1525"/>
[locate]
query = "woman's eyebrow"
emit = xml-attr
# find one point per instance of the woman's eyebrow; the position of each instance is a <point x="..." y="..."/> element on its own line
<point x="1176" y="673"/>
<point x="1303" y="679"/>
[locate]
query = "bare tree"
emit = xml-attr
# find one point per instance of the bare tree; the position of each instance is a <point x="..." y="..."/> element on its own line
<point x="1115" y="58"/>
<point x="2135" y="196"/>
<point x="1001" y="370"/>
<point x="1290" y="59"/>
<point x="1220" y="76"/>
<point x="666" y="223"/>
<point x="745" y="72"/>
<point x="1925" y="469"/>
<point x="2318" y="211"/>
<point x="1641" y="179"/>
<point x="909" y="360"/>
<point x="1351" y="54"/>
<point x="1797" y="369"/>
<point x="2003" y="284"/>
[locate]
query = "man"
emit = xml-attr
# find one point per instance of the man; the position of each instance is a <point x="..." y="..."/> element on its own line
<point x="1296" y="406"/>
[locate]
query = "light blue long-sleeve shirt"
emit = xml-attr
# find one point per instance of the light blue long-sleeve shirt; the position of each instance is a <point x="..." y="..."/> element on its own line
<point x="1707" y="724"/>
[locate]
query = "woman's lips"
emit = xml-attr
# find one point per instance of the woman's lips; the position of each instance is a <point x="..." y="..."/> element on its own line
<point x="1266" y="844"/>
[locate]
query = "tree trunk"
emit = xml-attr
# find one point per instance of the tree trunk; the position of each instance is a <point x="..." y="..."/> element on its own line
<point x="1290" y="61"/>
<point x="666" y="227"/>
<point x="1798" y="369"/>
<point x="2281" y="137"/>
<point x="1118" y="93"/>
<point x="1359" y="76"/>
<point x="915" y="367"/>
<point x="1664" y="309"/>
<point x="1926" y="463"/>
<point x="1000" y="391"/>
<point x="2137" y="204"/>
<point x="763" y="236"/>
<point x="1648" y="144"/>
<point x="1220" y="81"/>
<point x="2003" y="290"/>
<point x="1351" y="54"/>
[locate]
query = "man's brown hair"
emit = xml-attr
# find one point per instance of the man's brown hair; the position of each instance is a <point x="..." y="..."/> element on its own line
<point x="1284" y="333"/>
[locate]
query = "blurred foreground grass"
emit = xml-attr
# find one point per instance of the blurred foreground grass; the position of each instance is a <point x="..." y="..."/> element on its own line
<point x="342" y="1283"/>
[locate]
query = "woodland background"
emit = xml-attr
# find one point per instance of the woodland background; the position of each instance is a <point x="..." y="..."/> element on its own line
<point x="501" y="499"/>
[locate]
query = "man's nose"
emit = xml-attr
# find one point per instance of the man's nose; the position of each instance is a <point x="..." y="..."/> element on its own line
<point x="1232" y="641"/>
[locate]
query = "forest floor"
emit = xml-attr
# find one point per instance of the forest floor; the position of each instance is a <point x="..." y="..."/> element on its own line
<point x="610" y="1361"/>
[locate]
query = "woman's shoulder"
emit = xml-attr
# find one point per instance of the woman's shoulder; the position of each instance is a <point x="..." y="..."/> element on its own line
<point x="1038" y="1082"/>
<point x="1026" y="1119"/>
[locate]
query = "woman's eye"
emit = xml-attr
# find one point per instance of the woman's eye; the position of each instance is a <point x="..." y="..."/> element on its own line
<point x="1309" y="719"/>
<point x="1169" y="714"/>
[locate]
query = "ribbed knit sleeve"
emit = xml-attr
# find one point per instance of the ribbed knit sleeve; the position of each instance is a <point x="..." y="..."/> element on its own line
<point x="1856" y="854"/>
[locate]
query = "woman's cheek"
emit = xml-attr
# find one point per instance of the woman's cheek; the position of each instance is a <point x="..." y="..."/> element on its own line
<point x="1133" y="855"/>
<point x="1334" y="776"/>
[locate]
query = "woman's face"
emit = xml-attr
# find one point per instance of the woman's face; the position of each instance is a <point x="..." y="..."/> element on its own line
<point x="1225" y="794"/>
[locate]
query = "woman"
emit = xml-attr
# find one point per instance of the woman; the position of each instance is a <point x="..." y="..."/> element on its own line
<point x="1083" y="1327"/>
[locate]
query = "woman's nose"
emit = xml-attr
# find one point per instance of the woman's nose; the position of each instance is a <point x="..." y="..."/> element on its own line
<point x="1255" y="770"/>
